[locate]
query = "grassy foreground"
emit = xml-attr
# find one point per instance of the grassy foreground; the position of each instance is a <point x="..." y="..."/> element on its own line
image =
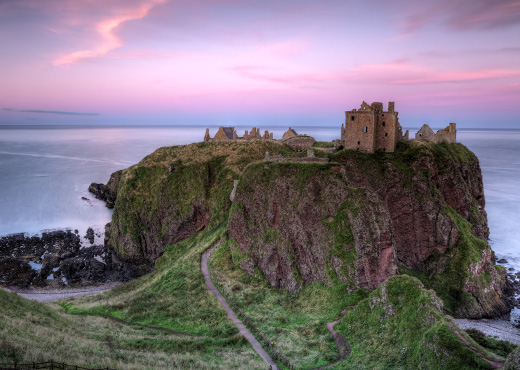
<point x="400" y="325"/>
<point x="172" y="297"/>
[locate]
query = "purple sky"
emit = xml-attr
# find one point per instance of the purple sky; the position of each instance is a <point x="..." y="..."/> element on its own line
<point x="258" y="62"/>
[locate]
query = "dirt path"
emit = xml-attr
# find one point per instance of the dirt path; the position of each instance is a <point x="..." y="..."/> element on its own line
<point x="496" y="364"/>
<point x="341" y="343"/>
<point x="238" y="323"/>
<point x="50" y="295"/>
<point x="502" y="329"/>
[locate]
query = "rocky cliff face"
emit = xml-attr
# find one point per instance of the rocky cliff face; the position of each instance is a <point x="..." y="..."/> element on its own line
<point x="296" y="221"/>
<point x="420" y="211"/>
<point x="175" y="192"/>
<point x="359" y="219"/>
<point x="107" y="192"/>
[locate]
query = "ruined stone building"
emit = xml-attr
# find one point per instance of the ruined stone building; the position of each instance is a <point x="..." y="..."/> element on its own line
<point x="229" y="133"/>
<point x="446" y="135"/>
<point x="223" y="134"/>
<point x="370" y="129"/>
<point x="289" y="134"/>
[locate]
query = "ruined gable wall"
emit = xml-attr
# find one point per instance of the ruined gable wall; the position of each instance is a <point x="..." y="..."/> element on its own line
<point x="425" y="134"/>
<point x="220" y="135"/>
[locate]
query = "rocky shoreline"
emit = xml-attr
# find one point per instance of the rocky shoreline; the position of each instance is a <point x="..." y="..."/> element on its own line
<point x="58" y="259"/>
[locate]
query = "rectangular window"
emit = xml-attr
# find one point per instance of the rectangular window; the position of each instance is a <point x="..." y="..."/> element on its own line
<point x="352" y="118"/>
<point x="383" y="124"/>
<point x="365" y="129"/>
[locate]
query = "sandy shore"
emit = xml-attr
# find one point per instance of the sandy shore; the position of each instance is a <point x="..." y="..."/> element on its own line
<point x="49" y="295"/>
<point x="501" y="329"/>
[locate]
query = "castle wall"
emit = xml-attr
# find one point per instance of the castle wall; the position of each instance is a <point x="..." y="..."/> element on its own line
<point x="446" y="135"/>
<point x="387" y="132"/>
<point x="360" y="129"/>
<point x="370" y="129"/>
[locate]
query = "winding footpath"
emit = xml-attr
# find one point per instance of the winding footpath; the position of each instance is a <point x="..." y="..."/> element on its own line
<point x="341" y="342"/>
<point x="243" y="330"/>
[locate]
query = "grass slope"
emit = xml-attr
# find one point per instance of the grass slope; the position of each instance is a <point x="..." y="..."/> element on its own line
<point x="173" y="297"/>
<point x="31" y="331"/>
<point x="401" y="326"/>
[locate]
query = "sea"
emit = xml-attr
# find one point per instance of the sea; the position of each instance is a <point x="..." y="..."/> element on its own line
<point x="45" y="172"/>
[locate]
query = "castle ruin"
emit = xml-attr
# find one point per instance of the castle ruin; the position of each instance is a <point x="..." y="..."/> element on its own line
<point x="229" y="133"/>
<point x="446" y="135"/>
<point x="370" y="129"/>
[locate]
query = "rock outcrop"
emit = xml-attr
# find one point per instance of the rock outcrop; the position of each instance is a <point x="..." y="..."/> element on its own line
<point x="295" y="221"/>
<point x="57" y="259"/>
<point x="107" y="192"/>
<point x="361" y="218"/>
<point x="420" y="210"/>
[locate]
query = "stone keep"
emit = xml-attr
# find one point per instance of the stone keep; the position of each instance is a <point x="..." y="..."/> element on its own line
<point x="370" y="129"/>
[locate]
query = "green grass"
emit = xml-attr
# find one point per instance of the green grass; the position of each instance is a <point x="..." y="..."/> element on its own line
<point x="401" y="326"/>
<point x="35" y="332"/>
<point x="174" y="296"/>
<point x="296" y="323"/>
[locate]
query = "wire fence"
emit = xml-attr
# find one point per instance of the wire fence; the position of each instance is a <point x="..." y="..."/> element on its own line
<point x="268" y="345"/>
<point x="52" y="365"/>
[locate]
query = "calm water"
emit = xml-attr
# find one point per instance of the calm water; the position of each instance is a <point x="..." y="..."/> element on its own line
<point x="45" y="172"/>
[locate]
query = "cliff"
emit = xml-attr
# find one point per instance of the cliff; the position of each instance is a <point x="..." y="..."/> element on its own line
<point x="360" y="219"/>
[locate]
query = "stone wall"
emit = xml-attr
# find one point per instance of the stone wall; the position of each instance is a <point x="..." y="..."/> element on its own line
<point x="447" y="135"/>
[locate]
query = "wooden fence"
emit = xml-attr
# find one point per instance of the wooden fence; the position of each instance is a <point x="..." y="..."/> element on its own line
<point x="52" y="365"/>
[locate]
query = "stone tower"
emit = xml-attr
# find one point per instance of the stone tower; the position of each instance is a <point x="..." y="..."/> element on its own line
<point x="370" y="129"/>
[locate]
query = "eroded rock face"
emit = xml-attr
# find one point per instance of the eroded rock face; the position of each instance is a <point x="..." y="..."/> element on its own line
<point x="293" y="229"/>
<point x="423" y="214"/>
<point x="107" y="192"/>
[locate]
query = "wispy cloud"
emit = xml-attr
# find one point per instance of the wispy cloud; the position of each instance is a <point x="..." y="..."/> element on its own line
<point x="106" y="31"/>
<point x="463" y="15"/>
<point x="50" y="112"/>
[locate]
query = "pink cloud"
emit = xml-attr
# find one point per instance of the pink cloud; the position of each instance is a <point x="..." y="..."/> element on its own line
<point x="109" y="39"/>
<point x="463" y="15"/>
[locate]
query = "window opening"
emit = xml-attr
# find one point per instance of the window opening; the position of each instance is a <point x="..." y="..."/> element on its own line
<point x="365" y="129"/>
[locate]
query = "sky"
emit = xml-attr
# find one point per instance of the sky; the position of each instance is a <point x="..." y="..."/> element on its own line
<point x="258" y="62"/>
